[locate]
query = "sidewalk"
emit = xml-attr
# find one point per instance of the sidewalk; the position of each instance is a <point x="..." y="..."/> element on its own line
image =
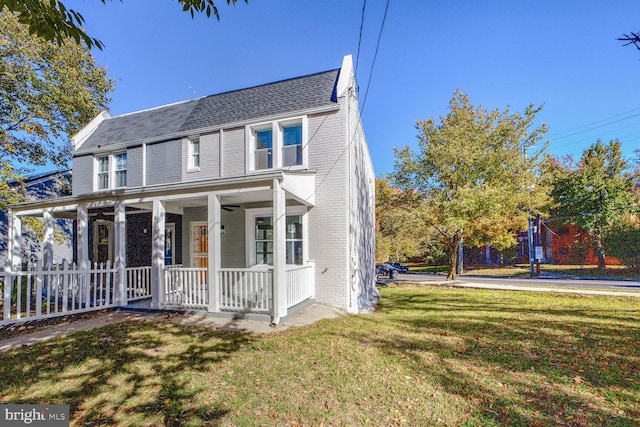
<point x="307" y="316"/>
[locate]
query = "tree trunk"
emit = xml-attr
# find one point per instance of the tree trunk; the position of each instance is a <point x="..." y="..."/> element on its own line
<point x="452" y="251"/>
<point x="601" y="255"/>
<point x="452" y="268"/>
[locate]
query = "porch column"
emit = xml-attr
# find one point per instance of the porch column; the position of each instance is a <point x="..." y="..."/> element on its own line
<point x="157" y="254"/>
<point x="120" y="261"/>
<point x="214" y="254"/>
<point x="279" y="253"/>
<point x="82" y="252"/>
<point x="15" y="241"/>
<point x="47" y="242"/>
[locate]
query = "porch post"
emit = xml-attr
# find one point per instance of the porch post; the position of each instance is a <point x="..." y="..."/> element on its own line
<point x="82" y="252"/>
<point x="279" y="253"/>
<point x="214" y="255"/>
<point x="47" y="242"/>
<point x="157" y="254"/>
<point x="120" y="264"/>
<point x="15" y="241"/>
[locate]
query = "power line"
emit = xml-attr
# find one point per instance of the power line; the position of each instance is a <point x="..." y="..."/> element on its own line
<point x="384" y="18"/>
<point x="364" y="5"/>
<point x="580" y="129"/>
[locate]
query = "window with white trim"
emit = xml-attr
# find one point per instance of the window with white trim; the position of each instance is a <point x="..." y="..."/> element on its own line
<point x="292" y="145"/>
<point x="279" y="144"/>
<point x="194" y="153"/>
<point x="263" y="152"/>
<point x="261" y="244"/>
<point x="103" y="173"/>
<point x="111" y="171"/>
<point x="120" y="170"/>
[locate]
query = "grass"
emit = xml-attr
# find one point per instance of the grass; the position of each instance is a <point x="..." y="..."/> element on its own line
<point x="427" y="356"/>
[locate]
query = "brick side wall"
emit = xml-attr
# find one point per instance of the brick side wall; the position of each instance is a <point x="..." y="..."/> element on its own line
<point x="328" y="219"/>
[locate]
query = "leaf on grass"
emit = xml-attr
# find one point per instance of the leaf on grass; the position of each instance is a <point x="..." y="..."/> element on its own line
<point x="577" y="379"/>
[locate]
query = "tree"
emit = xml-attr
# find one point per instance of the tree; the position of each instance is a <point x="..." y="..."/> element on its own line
<point x="595" y="193"/>
<point x="47" y="93"/>
<point x="633" y="38"/>
<point x="52" y="21"/>
<point x="397" y="235"/>
<point x="623" y="241"/>
<point x="476" y="172"/>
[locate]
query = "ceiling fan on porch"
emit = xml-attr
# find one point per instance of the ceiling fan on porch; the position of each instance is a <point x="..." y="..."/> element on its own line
<point x="228" y="208"/>
<point x="106" y="216"/>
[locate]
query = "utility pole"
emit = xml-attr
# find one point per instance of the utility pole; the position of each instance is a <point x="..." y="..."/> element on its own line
<point x="530" y="241"/>
<point x="538" y="245"/>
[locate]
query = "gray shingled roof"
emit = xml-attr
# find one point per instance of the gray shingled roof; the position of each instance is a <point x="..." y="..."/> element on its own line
<point x="244" y="105"/>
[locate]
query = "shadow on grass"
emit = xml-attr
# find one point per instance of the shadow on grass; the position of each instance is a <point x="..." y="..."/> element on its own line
<point x="526" y="359"/>
<point x="130" y="373"/>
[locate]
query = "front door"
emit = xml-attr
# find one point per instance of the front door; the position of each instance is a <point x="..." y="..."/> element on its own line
<point x="102" y="241"/>
<point x="200" y="248"/>
<point x="169" y="244"/>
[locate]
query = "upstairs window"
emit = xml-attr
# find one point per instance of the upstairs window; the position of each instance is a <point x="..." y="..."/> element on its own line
<point x="103" y="172"/>
<point x="111" y="171"/>
<point x="292" y="145"/>
<point x="121" y="170"/>
<point x="264" y="149"/>
<point x="279" y="144"/>
<point x="194" y="153"/>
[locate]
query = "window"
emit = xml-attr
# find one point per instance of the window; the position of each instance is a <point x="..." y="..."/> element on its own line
<point x="121" y="170"/>
<point x="111" y="171"/>
<point x="277" y="144"/>
<point x="294" y="239"/>
<point x="264" y="149"/>
<point x="103" y="172"/>
<point x="262" y="244"/>
<point x="194" y="153"/>
<point x="264" y="240"/>
<point x="292" y="145"/>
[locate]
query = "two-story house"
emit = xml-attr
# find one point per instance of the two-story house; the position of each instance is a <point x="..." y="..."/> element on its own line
<point x="254" y="201"/>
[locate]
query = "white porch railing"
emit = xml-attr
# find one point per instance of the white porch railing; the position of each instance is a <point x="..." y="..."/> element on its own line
<point x="185" y="287"/>
<point x="138" y="283"/>
<point x="299" y="284"/>
<point x="40" y="292"/>
<point x="245" y="289"/>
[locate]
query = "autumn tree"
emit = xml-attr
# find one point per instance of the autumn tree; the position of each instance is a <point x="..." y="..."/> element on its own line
<point x="595" y="193"/>
<point x="52" y="20"/>
<point x="476" y="172"/>
<point x="397" y="235"/>
<point x="47" y="93"/>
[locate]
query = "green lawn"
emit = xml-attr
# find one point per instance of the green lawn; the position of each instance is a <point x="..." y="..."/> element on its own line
<point x="428" y="356"/>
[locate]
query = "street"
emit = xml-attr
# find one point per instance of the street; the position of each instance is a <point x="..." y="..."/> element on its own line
<point x="541" y="282"/>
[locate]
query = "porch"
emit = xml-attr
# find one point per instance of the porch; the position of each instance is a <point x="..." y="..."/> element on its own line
<point x="169" y="245"/>
<point x="40" y="292"/>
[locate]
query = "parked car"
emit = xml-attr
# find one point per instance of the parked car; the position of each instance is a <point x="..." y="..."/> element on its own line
<point x="386" y="270"/>
<point x="401" y="268"/>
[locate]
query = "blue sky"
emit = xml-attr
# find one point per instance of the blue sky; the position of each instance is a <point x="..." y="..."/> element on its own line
<point x="563" y="54"/>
